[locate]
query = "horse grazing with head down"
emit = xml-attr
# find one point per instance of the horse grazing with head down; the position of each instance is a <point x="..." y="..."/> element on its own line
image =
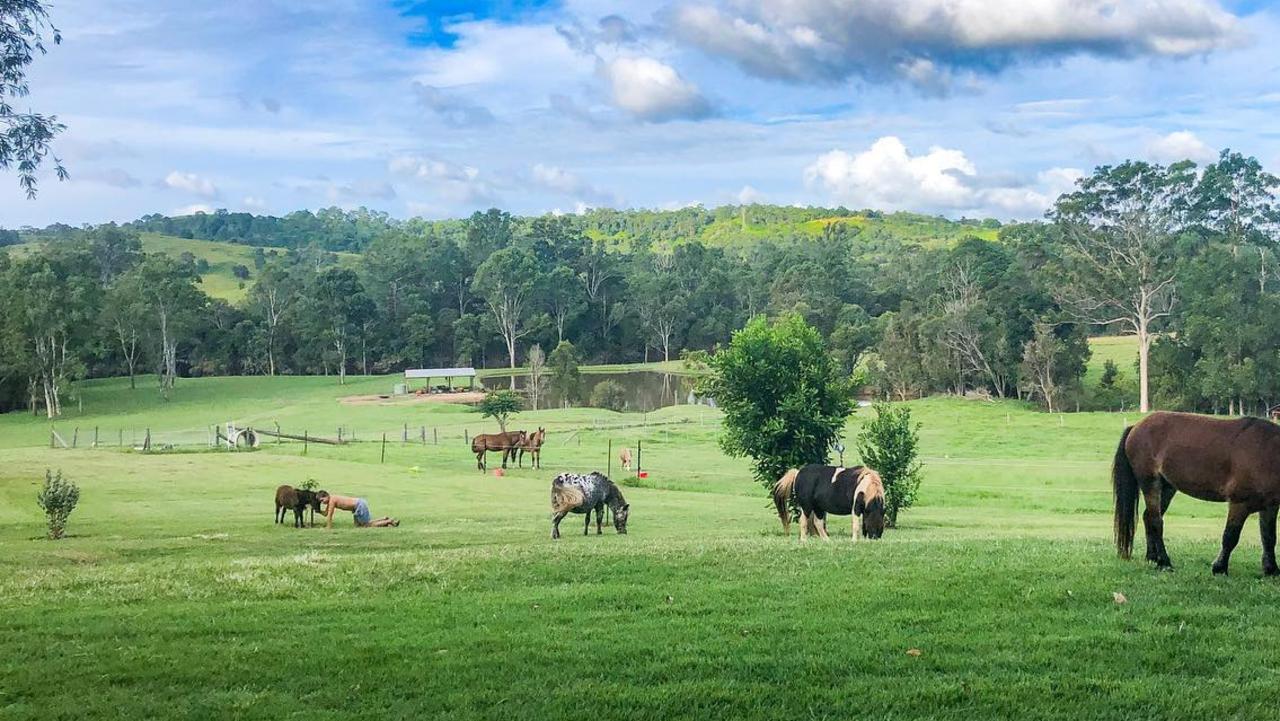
<point x="819" y="490"/>
<point x="508" y="443"/>
<point x="578" y="493"/>
<point x="1213" y="459"/>
<point x="533" y="444"/>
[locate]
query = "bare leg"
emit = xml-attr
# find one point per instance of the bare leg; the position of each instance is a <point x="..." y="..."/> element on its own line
<point x="1153" y="519"/>
<point x="1237" y="513"/>
<point x="555" y="524"/>
<point x="383" y="522"/>
<point x="1267" y="520"/>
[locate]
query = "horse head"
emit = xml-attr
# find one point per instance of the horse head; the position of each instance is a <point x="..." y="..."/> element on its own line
<point x="868" y="502"/>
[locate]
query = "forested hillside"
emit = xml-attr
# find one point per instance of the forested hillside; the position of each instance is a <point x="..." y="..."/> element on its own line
<point x="1179" y="256"/>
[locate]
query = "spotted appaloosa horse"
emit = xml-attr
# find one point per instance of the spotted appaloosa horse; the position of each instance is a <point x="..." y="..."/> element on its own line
<point x="578" y="493"/>
<point x="819" y="490"/>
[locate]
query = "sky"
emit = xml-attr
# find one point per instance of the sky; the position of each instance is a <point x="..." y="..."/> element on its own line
<point x="977" y="108"/>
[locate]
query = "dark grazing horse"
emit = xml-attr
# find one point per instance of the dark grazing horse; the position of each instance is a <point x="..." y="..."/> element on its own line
<point x="819" y="490"/>
<point x="533" y="444"/>
<point x="508" y="443"/>
<point x="297" y="499"/>
<point x="577" y="493"/>
<point x="1234" y="461"/>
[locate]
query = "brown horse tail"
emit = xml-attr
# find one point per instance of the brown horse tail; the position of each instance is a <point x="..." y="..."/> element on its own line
<point x="781" y="492"/>
<point x="1126" y="490"/>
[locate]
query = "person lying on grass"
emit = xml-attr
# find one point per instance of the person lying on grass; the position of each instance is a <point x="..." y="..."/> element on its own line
<point x="358" y="507"/>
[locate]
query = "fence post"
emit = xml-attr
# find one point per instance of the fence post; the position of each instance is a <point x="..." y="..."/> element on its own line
<point x="435" y="436"/>
<point x="305" y="436"/>
<point x="146" y="442"/>
<point x="75" y="437"/>
<point x="339" y="434"/>
<point x="466" y="438"/>
<point x="424" y="435"/>
<point x="384" y="448"/>
<point x="404" y="434"/>
<point x="119" y="438"/>
<point x="95" y="436"/>
<point x="51" y="436"/>
<point x="279" y="440"/>
<point x="639" y="449"/>
<point x="609" y="462"/>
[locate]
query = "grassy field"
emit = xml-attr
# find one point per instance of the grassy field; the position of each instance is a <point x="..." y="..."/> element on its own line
<point x="175" y="595"/>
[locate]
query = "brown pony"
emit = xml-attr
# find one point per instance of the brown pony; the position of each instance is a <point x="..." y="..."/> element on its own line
<point x="508" y="443"/>
<point x="533" y="444"/>
<point x="1211" y="459"/>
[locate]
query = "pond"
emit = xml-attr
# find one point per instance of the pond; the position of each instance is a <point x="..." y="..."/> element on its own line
<point x="643" y="391"/>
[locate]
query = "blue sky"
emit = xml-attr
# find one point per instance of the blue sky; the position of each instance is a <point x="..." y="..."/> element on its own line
<point x="435" y="109"/>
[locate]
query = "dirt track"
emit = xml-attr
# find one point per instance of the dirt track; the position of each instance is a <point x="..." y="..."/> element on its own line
<point x="380" y="400"/>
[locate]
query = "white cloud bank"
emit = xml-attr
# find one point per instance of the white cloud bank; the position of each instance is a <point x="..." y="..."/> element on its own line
<point x="651" y="90"/>
<point x="888" y="176"/>
<point x="191" y="183"/>
<point x="1180" y="145"/>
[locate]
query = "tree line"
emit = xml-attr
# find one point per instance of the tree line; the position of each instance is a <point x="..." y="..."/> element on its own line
<point x="1179" y="256"/>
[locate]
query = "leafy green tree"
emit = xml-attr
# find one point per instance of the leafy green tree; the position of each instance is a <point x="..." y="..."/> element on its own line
<point x="1121" y="228"/>
<point x="58" y="498"/>
<point x="565" y="375"/>
<point x="500" y="406"/>
<point x="506" y="280"/>
<point x="25" y="138"/>
<point x="889" y="443"/>
<point x="610" y="395"/>
<point x="785" y="399"/>
<point x="338" y="307"/>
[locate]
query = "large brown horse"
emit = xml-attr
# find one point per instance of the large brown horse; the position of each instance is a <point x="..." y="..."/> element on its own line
<point x="1236" y="461"/>
<point x="508" y="443"/>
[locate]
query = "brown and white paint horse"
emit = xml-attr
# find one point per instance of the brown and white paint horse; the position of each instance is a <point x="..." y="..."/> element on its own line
<point x="819" y="490"/>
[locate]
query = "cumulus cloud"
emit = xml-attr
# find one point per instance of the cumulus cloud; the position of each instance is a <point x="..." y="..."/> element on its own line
<point x="929" y="42"/>
<point x="453" y="109"/>
<point x="651" y="90"/>
<point x="1181" y="145"/>
<point x="191" y="183"/>
<point x="192" y="210"/>
<point x="462" y="182"/>
<point x="888" y="176"/>
<point x="559" y="180"/>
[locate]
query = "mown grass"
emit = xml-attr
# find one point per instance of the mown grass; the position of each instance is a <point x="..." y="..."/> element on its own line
<point x="175" y="595"/>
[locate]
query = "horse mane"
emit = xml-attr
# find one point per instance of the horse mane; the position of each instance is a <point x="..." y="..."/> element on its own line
<point x="869" y="482"/>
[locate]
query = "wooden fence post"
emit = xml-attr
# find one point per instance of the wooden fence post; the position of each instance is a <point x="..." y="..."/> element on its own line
<point x="146" y="442"/>
<point x="384" y="448"/>
<point x="305" y="435"/>
<point x="609" y="461"/>
<point x="75" y="437"/>
<point x="404" y="434"/>
<point x="95" y="436"/>
<point x="466" y="437"/>
<point x="435" y="436"/>
<point x="424" y="435"/>
<point x="639" y="449"/>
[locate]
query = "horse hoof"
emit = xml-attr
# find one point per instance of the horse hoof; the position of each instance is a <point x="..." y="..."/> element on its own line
<point x="1219" y="570"/>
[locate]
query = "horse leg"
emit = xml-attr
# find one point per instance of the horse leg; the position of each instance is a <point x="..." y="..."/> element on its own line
<point x="555" y="524"/>
<point x="1153" y="520"/>
<point x="599" y="519"/>
<point x="1167" y="492"/>
<point x="587" y="527"/>
<point x="822" y="528"/>
<point x="804" y="526"/>
<point x="1237" y="513"/>
<point x="1267" y="520"/>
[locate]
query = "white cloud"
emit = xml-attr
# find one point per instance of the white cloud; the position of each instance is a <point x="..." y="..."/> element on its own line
<point x="1180" y="145"/>
<point x="192" y="210"/>
<point x="925" y="41"/>
<point x="749" y="195"/>
<point x="461" y="182"/>
<point x="559" y="180"/>
<point x="254" y="203"/>
<point x="652" y="90"/>
<point x="888" y="176"/>
<point x="191" y="183"/>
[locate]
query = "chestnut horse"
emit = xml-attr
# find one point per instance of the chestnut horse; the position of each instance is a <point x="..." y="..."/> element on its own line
<point x="533" y="444"/>
<point x="1213" y="459"/>
<point x="508" y="443"/>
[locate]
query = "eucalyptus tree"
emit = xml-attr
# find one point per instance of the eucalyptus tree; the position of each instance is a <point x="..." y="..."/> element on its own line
<point x="25" y="138"/>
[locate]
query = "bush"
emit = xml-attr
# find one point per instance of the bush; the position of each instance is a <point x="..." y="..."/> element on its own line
<point x="889" y="443"/>
<point x="58" y="498"/>
<point x="610" y="395"/>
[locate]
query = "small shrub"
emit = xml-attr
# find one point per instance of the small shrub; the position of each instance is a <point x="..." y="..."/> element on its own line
<point x="58" y="498"/>
<point x="889" y="443"/>
<point x="310" y="484"/>
<point x="610" y="395"/>
<point x="500" y="406"/>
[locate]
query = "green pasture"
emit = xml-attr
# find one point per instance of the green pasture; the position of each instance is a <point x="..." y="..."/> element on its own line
<point x="175" y="595"/>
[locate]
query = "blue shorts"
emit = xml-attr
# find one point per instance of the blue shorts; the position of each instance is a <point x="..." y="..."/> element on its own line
<point x="361" y="513"/>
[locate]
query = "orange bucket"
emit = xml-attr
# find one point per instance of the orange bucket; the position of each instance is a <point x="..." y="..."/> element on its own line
<point x="499" y="473"/>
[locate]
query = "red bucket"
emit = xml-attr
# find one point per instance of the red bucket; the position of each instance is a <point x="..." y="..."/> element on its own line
<point x="499" y="473"/>
<point x="642" y="474"/>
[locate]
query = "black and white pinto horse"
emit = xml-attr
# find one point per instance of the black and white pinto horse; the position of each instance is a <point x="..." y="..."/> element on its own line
<point x="578" y="493"/>
<point x="819" y="490"/>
